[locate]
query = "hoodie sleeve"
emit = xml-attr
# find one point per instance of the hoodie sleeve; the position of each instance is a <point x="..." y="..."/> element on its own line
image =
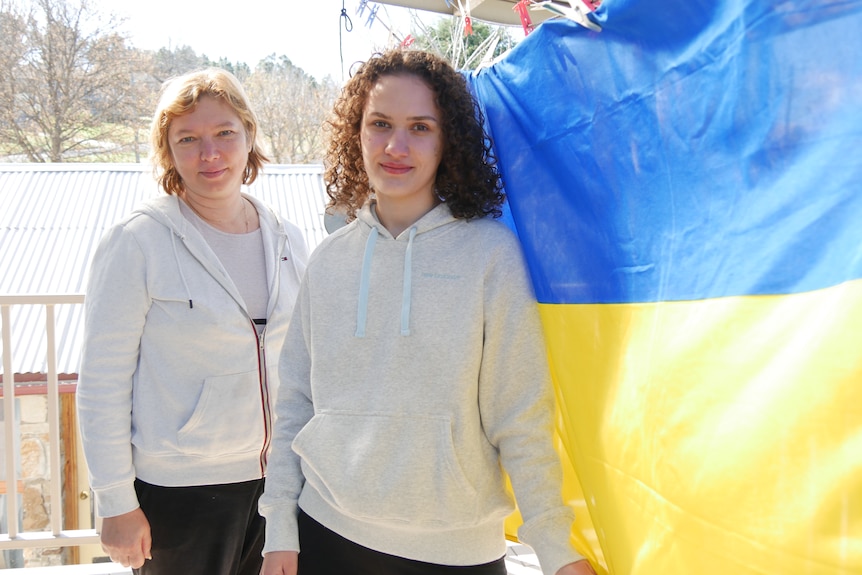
<point x="115" y="310"/>
<point x="517" y="407"/>
<point x="293" y="410"/>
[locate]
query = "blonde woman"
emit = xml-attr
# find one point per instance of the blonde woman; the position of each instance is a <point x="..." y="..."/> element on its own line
<point x="187" y="306"/>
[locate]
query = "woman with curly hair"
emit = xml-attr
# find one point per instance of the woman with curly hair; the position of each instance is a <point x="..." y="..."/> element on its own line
<point x="414" y="368"/>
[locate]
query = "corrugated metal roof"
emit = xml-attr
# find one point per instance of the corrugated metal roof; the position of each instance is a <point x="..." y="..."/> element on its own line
<point x="53" y="215"/>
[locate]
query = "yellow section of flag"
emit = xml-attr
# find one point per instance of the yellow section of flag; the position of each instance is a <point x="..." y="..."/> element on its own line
<point x="716" y="436"/>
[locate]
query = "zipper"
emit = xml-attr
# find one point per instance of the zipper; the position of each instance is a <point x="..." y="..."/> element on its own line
<point x="264" y="397"/>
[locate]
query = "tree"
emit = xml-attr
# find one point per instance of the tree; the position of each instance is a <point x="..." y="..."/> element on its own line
<point x="68" y="86"/>
<point x="13" y="28"/>
<point x="447" y="38"/>
<point x="170" y="62"/>
<point x="291" y="106"/>
<point x="241" y="70"/>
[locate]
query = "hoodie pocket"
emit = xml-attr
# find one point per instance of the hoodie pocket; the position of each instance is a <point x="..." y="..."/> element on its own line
<point x="381" y="467"/>
<point x="227" y="418"/>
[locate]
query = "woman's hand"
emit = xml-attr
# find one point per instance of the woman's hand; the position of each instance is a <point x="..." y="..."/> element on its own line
<point x="126" y="538"/>
<point x="280" y="563"/>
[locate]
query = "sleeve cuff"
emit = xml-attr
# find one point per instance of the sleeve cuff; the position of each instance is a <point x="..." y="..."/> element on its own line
<point x="550" y="538"/>
<point x="282" y="532"/>
<point x="116" y="500"/>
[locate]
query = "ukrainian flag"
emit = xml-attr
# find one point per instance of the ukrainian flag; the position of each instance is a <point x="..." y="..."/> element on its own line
<point x="687" y="187"/>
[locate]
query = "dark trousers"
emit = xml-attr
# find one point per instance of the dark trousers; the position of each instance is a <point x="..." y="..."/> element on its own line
<point x="324" y="552"/>
<point x="206" y="529"/>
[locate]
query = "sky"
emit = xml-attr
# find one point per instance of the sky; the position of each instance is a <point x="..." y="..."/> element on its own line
<point x="306" y="31"/>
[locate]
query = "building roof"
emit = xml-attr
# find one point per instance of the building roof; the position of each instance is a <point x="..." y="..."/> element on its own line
<point x="53" y="215"/>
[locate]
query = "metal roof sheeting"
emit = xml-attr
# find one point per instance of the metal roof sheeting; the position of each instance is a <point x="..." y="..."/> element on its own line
<point x="53" y="215"/>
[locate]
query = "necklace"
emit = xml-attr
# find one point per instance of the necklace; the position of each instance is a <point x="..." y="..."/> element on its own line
<point x="221" y="224"/>
<point x="245" y="213"/>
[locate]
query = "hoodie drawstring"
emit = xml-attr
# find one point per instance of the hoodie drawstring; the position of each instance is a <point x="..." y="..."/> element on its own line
<point x="408" y="284"/>
<point x="365" y="278"/>
<point x="180" y="267"/>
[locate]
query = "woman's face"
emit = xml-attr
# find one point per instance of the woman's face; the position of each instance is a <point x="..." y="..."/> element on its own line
<point x="402" y="141"/>
<point x="209" y="149"/>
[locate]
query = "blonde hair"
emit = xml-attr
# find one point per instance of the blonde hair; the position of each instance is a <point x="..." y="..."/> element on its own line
<point x="178" y="97"/>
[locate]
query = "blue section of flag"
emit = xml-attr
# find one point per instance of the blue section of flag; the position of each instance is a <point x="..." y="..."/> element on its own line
<point x="692" y="149"/>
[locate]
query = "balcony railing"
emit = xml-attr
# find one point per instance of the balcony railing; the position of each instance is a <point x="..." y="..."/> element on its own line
<point x="519" y="560"/>
<point x="15" y="536"/>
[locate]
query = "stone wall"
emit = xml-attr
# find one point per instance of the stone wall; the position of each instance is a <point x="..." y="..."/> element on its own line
<point x="35" y="499"/>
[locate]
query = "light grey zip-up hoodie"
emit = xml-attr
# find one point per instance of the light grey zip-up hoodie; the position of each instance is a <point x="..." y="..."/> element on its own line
<point x="413" y="368"/>
<point x="174" y="385"/>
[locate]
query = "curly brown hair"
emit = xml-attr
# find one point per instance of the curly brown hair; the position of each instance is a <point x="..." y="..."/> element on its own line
<point x="467" y="178"/>
<point x="178" y="97"/>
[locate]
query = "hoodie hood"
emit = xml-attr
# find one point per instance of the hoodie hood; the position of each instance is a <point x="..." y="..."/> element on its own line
<point x="370" y="225"/>
<point x="440" y="215"/>
<point x="166" y="211"/>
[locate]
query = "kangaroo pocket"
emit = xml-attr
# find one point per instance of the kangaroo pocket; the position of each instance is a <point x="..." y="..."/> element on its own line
<point x="387" y="468"/>
<point x="227" y="418"/>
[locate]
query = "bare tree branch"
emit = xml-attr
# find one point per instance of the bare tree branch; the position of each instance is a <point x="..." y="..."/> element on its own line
<point x="70" y="88"/>
<point x="291" y="106"/>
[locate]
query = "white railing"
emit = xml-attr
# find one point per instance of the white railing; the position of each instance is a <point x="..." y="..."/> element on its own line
<point x="15" y="538"/>
<point x="57" y="537"/>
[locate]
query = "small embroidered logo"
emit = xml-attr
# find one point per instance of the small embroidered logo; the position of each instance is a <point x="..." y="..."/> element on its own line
<point x="438" y="276"/>
<point x="284" y="258"/>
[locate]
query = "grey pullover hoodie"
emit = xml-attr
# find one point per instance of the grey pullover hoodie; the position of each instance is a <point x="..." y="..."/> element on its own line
<point x="414" y="368"/>
<point x="175" y="384"/>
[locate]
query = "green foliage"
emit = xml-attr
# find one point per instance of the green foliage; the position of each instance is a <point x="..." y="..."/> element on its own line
<point x="239" y="69"/>
<point x="170" y="62"/>
<point x="448" y="38"/>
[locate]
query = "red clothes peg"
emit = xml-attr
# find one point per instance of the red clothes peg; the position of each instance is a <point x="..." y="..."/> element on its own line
<point x="522" y="7"/>
<point x="468" y="26"/>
